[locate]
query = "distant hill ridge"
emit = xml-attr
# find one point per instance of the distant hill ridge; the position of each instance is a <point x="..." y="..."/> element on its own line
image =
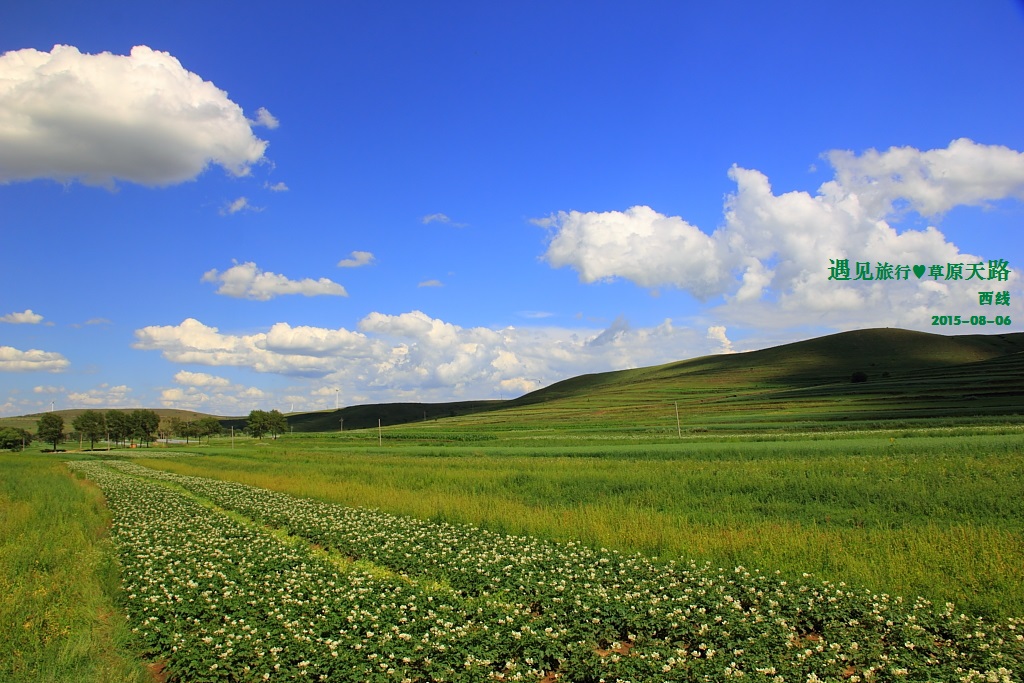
<point x="894" y="361"/>
<point x="822" y="360"/>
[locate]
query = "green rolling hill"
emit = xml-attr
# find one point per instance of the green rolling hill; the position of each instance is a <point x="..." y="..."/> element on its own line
<point x="905" y="375"/>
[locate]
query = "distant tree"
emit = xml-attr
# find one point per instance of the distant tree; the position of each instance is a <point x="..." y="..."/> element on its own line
<point x="143" y="425"/>
<point x="258" y="423"/>
<point x="168" y="427"/>
<point x="14" y="438"/>
<point x="92" y="425"/>
<point x="277" y="422"/>
<point x="859" y="377"/>
<point x="208" y="426"/>
<point x="51" y="429"/>
<point x="186" y="430"/>
<point x="118" y="426"/>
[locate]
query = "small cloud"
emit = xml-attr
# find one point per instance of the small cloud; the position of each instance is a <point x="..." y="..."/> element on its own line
<point x="436" y="218"/>
<point x="615" y="332"/>
<point x="518" y="385"/>
<point x="276" y="187"/>
<point x="535" y="315"/>
<point x="266" y="119"/>
<point x="104" y="395"/>
<point x="716" y="333"/>
<point x="27" y="317"/>
<point x="92" y="321"/>
<point x="240" y="204"/>
<point x="200" y="379"/>
<point x="431" y="283"/>
<point x="441" y="218"/>
<point x="357" y="259"/>
<point x="49" y="389"/>
<point x="247" y="281"/>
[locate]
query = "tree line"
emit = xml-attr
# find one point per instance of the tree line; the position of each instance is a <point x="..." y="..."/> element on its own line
<point x="119" y="427"/>
<point x="126" y="428"/>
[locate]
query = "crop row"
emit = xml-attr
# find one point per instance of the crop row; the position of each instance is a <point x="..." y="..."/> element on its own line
<point x="526" y="606"/>
<point x="222" y="600"/>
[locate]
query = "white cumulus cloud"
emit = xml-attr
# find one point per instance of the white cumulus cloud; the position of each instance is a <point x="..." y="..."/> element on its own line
<point x="932" y="182"/>
<point x="26" y="317"/>
<point x="769" y="260"/>
<point x="638" y="244"/>
<point x="104" y="395"/>
<point x="99" y="118"/>
<point x="247" y="281"/>
<point x="200" y="379"/>
<point x="413" y="356"/>
<point x="33" y="360"/>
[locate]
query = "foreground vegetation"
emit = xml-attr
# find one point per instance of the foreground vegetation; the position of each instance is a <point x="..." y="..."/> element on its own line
<point x="224" y="600"/>
<point x="930" y="513"/>
<point x="59" y="621"/>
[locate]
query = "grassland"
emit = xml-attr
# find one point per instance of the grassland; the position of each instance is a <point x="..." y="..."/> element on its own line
<point x="59" y="619"/>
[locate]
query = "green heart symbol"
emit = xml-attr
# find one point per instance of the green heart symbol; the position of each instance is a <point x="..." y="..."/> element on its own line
<point x="918" y="271"/>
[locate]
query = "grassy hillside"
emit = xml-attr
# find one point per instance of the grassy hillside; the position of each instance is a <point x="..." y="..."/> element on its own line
<point x="366" y="416"/>
<point x="909" y="376"/>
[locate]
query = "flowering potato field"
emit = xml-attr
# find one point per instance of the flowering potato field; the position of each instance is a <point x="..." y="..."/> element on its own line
<point x="216" y="590"/>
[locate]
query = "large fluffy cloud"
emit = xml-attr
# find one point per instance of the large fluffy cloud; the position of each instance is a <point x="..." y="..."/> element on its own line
<point x="99" y="118"/>
<point x="769" y="260"/>
<point x="413" y="356"/>
<point x="931" y="182"/>
<point x="638" y="244"/>
<point x="33" y="360"/>
<point x="247" y="281"/>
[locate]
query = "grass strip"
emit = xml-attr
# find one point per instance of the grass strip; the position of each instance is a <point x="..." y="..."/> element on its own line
<point x="59" y="580"/>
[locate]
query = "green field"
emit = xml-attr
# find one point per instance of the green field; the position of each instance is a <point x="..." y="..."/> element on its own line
<point x="59" y="581"/>
<point x="926" y="513"/>
<point x="909" y="484"/>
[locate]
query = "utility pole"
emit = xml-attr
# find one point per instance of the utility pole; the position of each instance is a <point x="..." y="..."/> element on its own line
<point x="679" y="430"/>
<point x="336" y="395"/>
<point x="380" y="437"/>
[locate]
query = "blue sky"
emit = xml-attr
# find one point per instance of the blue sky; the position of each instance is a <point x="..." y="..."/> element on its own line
<point x="227" y="206"/>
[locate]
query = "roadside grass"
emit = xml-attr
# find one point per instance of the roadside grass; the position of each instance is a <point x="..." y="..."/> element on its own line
<point x="937" y="516"/>
<point x="59" y="621"/>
